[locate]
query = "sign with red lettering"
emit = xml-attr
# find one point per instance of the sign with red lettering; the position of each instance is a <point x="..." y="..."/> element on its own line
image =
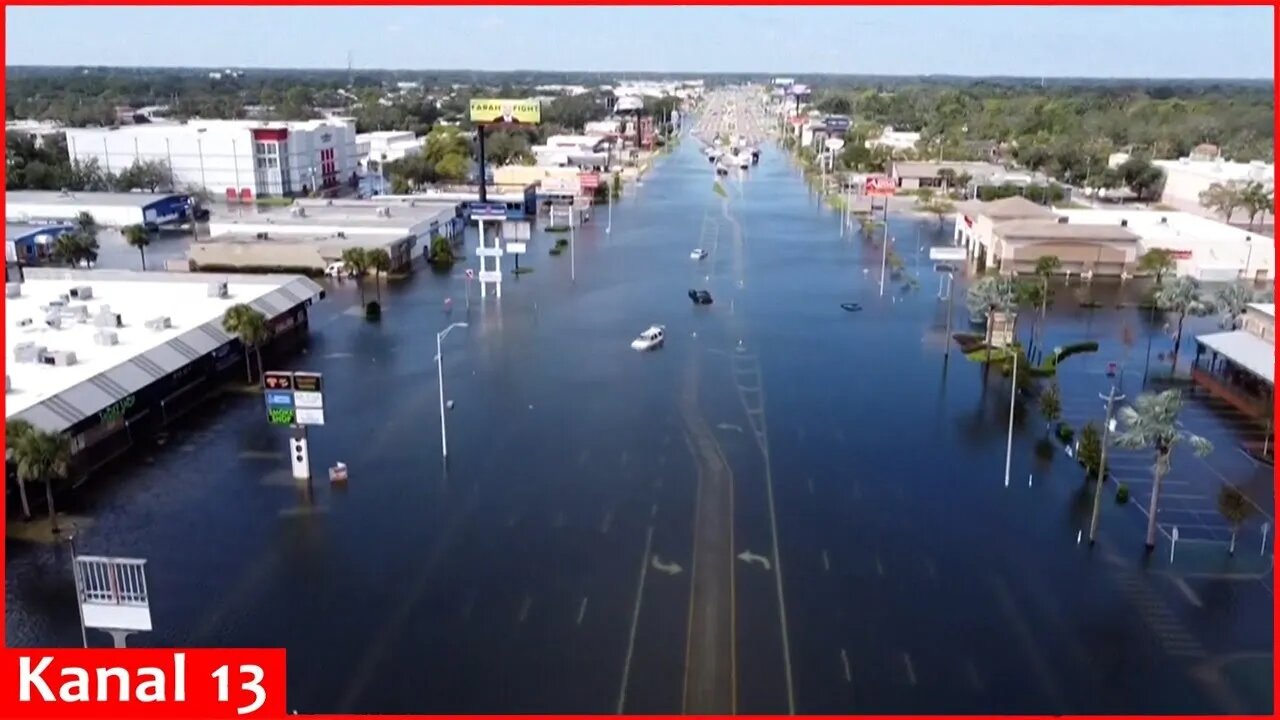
<point x="186" y="683"/>
<point x="880" y="186"/>
<point x="589" y="181"/>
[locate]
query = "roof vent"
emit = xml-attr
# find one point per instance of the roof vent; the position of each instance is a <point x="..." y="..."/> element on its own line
<point x="13" y="289"/>
<point x="298" y="211"/>
<point x="218" y="290"/>
<point x="58" y="358"/>
<point x="260" y="236"/>
<point x="27" y="352"/>
<point x="107" y="319"/>
<point x="1164" y="220"/>
<point x="163" y="322"/>
<point x="1124" y="222"/>
<point x="106" y="337"/>
<point x="81" y="292"/>
<point x="1062" y="219"/>
<point x="53" y="320"/>
<point x="342" y="234"/>
<point x="80" y="313"/>
<point x="384" y="212"/>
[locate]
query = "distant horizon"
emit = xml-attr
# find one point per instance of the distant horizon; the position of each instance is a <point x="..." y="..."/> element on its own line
<point x="672" y="73"/>
<point x="1149" y="42"/>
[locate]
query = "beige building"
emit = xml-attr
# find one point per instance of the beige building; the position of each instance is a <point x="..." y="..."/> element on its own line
<point x="1011" y="234"/>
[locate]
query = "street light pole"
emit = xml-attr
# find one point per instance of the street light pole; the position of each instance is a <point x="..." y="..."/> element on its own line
<point x="1013" y="395"/>
<point x="444" y="438"/>
<point x="573" y="260"/>
<point x="1110" y="397"/>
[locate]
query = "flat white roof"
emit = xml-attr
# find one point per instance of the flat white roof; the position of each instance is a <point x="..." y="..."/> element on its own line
<point x="1246" y="350"/>
<point x="137" y="297"/>
<point x="206" y="126"/>
<point x="1268" y="309"/>
<point x="1212" y="243"/>
<point x="15" y="198"/>
<point x="350" y="216"/>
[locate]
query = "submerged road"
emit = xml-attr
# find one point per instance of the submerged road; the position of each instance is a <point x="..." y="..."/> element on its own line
<point x="641" y="533"/>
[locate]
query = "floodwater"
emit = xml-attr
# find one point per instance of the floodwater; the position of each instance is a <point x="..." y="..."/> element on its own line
<point x="853" y="517"/>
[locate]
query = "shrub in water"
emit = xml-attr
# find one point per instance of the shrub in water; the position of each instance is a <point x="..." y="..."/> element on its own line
<point x="1122" y="494"/>
<point x="373" y="311"/>
<point x="1065" y="433"/>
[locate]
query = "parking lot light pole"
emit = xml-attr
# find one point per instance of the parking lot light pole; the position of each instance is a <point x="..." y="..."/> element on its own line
<point x="444" y="439"/>
<point x="1013" y="396"/>
<point x="1111" y="398"/>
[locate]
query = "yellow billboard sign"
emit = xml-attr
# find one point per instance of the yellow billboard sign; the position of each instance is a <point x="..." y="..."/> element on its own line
<point x="492" y="110"/>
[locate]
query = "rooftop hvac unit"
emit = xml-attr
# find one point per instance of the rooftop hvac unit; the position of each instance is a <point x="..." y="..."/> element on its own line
<point x="13" y="289"/>
<point x="384" y="212"/>
<point x="107" y="319"/>
<point x="159" y="323"/>
<point x="298" y="211"/>
<point x="342" y="234"/>
<point x="54" y="320"/>
<point x="58" y="358"/>
<point x="27" y="352"/>
<point x="82" y="292"/>
<point x="56" y="303"/>
<point x="79" y="313"/>
<point x="1062" y="219"/>
<point x="218" y="289"/>
<point x="106" y="337"/>
<point x="1124" y="223"/>
<point x="64" y="299"/>
<point x="261" y="236"/>
<point x="25" y="322"/>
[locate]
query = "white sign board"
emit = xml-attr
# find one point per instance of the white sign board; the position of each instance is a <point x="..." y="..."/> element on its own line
<point x="308" y="416"/>
<point x="947" y="254"/>
<point x="834" y="144"/>
<point x="514" y="230"/>
<point x="490" y="276"/>
<point x="489" y="252"/>
<point x="302" y="399"/>
<point x="516" y="248"/>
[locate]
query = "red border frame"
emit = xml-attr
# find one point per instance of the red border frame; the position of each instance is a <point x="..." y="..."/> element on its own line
<point x="619" y="3"/>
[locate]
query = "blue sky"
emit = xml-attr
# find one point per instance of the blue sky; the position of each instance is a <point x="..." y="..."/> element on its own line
<point x="1049" y="41"/>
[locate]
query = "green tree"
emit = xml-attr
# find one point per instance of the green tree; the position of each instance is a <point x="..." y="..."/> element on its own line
<point x="1222" y="198"/>
<point x="358" y="263"/>
<point x="14" y="431"/>
<point x="250" y="325"/>
<point x="1152" y="423"/>
<point x="138" y="237"/>
<point x="989" y="295"/>
<point x="453" y="168"/>
<point x="148" y="175"/>
<point x="1231" y="301"/>
<point x="76" y="248"/>
<point x="1157" y="261"/>
<point x="617" y="186"/>
<point x="1235" y="508"/>
<point x="1181" y="296"/>
<point x="1051" y="406"/>
<point x="41" y="456"/>
<point x="379" y="262"/>
<point x="1257" y="200"/>
<point x="441" y="255"/>
<point x="1145" y="180"/>
<point x="1089" y="452"/>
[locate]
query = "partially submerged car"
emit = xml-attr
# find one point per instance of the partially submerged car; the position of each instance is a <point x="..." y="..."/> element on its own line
<point x="700" y="297"/>
<point x="649" y="339"/>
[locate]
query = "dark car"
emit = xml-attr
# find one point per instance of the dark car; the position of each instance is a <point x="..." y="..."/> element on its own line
<point x="700" y="297"/>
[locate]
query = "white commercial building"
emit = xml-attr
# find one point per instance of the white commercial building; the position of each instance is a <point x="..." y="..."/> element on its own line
<point x="1205" y="249"/>
<point x="384" y="146"/>
<point x="1185" y="178"/>
<point x="895" y="140"/>
<point x="243" y="159"/>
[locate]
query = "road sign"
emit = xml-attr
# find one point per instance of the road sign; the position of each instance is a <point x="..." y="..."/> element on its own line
<point x="294" y="398"/>
<point x="490" y="276"/>
<point x="947" y="254"/>
<point x="880" y="186"/>
<point x="589" y="181"/>
<point x="516" y="248"/>
<point x="305" y="399"/>
<point x="836" y="124"/>
<point x="471" y="274"/>
<point x="307" y="382"/>
<point x="944" y="268"/>
<point x="488" y="211"/>
<point x="489" y="252"/>
<point x="517" y="230"/>
<point x="279" y="399"/>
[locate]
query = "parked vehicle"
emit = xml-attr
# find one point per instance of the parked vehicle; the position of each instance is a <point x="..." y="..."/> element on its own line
<point x="649" y="339"/>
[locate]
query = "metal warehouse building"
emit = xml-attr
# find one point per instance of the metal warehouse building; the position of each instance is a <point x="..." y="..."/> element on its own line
<point x="112" y="209"/>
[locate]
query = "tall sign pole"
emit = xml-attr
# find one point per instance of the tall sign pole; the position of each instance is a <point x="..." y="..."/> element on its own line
<point x="295" y="400"/>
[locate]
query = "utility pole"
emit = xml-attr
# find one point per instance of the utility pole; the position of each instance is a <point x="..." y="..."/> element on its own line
<point x="946" y="354"/>
<point x="1111" y="398"/>
<point x="884" y="248"/>
<point x="1013" y="396"/>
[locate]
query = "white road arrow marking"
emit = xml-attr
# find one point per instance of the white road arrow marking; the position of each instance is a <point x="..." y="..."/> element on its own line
<point x="727" y="426"/>
<point x="749" y="557"/>
<point x="668" y="568"/>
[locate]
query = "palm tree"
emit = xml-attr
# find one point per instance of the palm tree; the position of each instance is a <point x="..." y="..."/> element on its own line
<point x="1256" y="200"/>
<point x="357" y="261"/>
<point x="1152" y="423"/>
<point x="138" y="237"/>
<point x="14" y="431"/>
<point x="43" y="456"/>
<point x="1181" y="296"/>
<point x="250" y="325"/>
<point x="86" y="224"/>
<point x="1235" y="509"/>
<point x="379" y="262"/>
<point x="1051" y="406"/>
<point x="1231" y="301"/>
<point x="1046" y="265"/>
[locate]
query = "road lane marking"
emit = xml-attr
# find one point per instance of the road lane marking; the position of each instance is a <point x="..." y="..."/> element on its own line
<point x="809" y="481"/>
<point x="635" y="619"/>
<point x="524" y="608"/>
<point x="1190" y="594"/>
<point x="879" y="566"/>
<point x="974" y="678"/>
<point x="848" y="671"/>
<point x="582" y="609"/>
<point x="911" y="670"/>
<point x="653" y="511"/>
<point x="607" y="522"/>
<point x="826" y="562"/>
